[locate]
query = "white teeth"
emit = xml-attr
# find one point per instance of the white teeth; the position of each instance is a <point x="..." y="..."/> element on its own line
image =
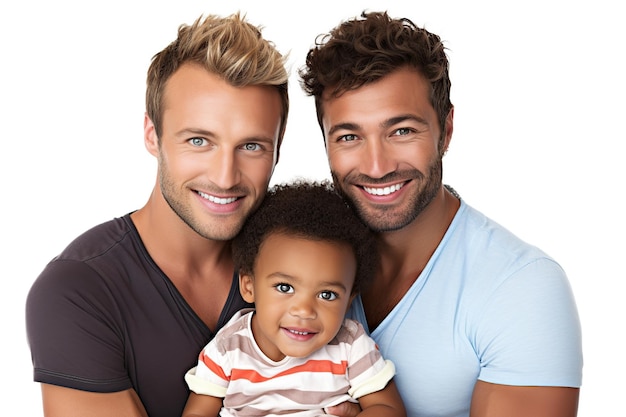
<point x="300" y="333"/>
<point x="217" y="200"/>
<point x="383" y="191"/>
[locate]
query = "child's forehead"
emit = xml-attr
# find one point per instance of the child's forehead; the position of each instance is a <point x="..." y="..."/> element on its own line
<point x="306" y="246"/>
<point x="299" y="238"/>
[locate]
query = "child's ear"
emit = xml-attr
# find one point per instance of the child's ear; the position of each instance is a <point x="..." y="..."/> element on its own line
<point x="246" y="287"/>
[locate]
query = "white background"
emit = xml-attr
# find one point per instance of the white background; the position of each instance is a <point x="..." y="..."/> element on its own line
<point x="538" y="142"/>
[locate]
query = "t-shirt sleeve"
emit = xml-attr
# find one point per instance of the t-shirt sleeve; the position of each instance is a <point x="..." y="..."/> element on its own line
<point x="368" y="371"/>
<point x="530" y="330"/>
<point x="74" y="330"/>
<point x="211" y="376"/>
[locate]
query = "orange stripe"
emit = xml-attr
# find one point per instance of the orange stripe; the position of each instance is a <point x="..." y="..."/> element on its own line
<point x="213" y="367"/>
<point x="311" y="366"/>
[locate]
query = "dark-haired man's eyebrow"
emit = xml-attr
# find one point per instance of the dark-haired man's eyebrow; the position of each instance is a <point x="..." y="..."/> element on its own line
<point x="402" y="118"/>
<point x="344" y="126"/>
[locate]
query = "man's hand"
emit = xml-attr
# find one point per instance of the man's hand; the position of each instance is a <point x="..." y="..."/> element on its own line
<point x="345" y="409"/>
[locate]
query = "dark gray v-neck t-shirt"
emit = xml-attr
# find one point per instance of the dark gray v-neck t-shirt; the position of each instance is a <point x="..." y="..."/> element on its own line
<point x="103" y="317"/>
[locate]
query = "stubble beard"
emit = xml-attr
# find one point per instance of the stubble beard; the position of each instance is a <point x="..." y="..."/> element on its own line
<point x="211" y="228"/>
<point x="382" y="218"/>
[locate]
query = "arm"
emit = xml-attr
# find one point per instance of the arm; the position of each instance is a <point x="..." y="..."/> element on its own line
<point x="75" y="348"/>
<point x="386" y="402"/>
<point x="374" y="386"/>
<point x="494" y="400"/>
<point x="68" y="402"/>
<point x="202" y="406"/>
<point x="531" y="330"/>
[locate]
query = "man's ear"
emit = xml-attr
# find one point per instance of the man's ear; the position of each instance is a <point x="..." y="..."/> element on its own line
<point x="447" y="137"/>
<point x="150" y="138"/>
<point x="246" y="287"/>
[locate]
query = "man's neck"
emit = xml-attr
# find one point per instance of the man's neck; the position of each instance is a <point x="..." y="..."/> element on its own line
<point x="405" y="253"/>
<point x="409" y="249"/>
<point x="200" y="269"/>
<point x="170" y="241"/>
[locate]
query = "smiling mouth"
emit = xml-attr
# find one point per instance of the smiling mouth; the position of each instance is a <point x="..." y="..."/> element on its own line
<point x="217" y="200"/>
<point x="299" y="333"/>
<point x="384" y="190"/>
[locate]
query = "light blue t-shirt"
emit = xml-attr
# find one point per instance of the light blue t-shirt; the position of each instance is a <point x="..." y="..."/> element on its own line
<point x="487" y="306"/>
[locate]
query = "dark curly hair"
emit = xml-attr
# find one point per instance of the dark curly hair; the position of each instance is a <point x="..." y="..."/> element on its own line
<point x="363" y="50"/>
<point x="311" y="210"/>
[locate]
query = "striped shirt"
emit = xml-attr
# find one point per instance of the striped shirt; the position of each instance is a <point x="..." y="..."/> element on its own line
<point x="233" y="367"/>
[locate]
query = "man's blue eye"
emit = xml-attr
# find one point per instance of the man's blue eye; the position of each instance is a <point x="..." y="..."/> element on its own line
<point x="251" y="146"/>
<point x="348" y="138"/>
<point x="403" y="131"/>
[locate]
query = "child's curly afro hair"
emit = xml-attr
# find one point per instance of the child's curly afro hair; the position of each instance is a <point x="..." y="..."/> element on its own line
<point x="310" y="210"/>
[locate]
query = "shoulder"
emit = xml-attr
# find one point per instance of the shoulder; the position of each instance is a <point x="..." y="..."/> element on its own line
<point x="99" y="240"/>
<point x="240" y="321"/>
<point x="484" y="241"/>
<point x="86" y="268"/>
<point x="235" y="337"/>
<point x="487" y="264"/>
<point x="238" y="325"/>
<point x="350" y="331"/>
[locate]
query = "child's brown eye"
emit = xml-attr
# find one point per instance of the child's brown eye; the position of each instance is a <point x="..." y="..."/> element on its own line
<point x="328" y="295"/>
<point x="286" y="288"/>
